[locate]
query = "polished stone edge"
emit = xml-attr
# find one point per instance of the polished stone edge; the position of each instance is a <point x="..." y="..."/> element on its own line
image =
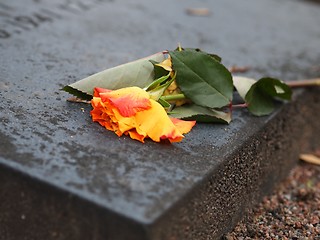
<point x="31" y="209"/>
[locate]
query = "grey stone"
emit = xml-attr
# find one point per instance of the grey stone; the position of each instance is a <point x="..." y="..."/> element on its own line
<point x="64" y="177"/>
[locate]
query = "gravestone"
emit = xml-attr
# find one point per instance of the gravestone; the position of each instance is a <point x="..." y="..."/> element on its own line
<point x="64" y="177"/>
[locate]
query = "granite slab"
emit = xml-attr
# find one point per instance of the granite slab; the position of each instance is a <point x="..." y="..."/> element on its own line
<point x="64" y="177"/>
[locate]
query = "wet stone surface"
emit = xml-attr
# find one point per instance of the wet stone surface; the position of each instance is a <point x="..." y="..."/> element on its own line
<point x="50" y="143"/>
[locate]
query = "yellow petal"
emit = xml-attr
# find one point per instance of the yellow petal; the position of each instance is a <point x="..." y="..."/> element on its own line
<point x="130" y="111"/>
<point x="124" y="123"/>
<point x="156" y="124"/>
<point x="166" y="64"/>
<point x="134" y="135"/>
<point x="128" y="100"/>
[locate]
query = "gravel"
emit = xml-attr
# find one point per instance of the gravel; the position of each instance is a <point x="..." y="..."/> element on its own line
<point x="292" y="212"/>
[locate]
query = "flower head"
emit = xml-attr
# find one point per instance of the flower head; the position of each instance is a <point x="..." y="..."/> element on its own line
<point x="130" y="111"/>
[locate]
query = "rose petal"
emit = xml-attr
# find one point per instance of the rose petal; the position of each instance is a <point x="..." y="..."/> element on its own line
<point x="183" y="126"/>
<point x="128" y="101"/>
<point x="130" y="111"/>
<point x="104" y="116"/>
<point x="97" y="91"/>
<point x="134" y="135"/>
<point x="156" y="124"/>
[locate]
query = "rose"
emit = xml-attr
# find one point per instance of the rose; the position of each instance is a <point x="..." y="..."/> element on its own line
<point x="132" y="112"/>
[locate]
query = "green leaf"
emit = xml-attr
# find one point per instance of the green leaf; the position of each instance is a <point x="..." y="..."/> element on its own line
<point x="77" y="93"/>
<point x="164" y="103"/>
<point x="215" y="56"/>
<point x="203" y="80"/>
<point x="137" y="73"/>
<point x="243" y="85"/>
<point x="260" y="98"/>
<point x="157" y="87"/>
<point x="157" y="82"/>
<point x="200" y="114"/>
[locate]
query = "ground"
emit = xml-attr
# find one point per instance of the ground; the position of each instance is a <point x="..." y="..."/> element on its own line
<point x="292" y="212"/>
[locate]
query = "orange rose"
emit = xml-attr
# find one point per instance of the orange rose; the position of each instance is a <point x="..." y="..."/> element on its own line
<point x="130" y="111"/>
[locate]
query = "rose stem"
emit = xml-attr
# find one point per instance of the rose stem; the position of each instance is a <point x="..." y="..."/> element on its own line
<point x="173" y="97"/>
<point x="242" y="105"/>
<point x="304" y="83"/>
